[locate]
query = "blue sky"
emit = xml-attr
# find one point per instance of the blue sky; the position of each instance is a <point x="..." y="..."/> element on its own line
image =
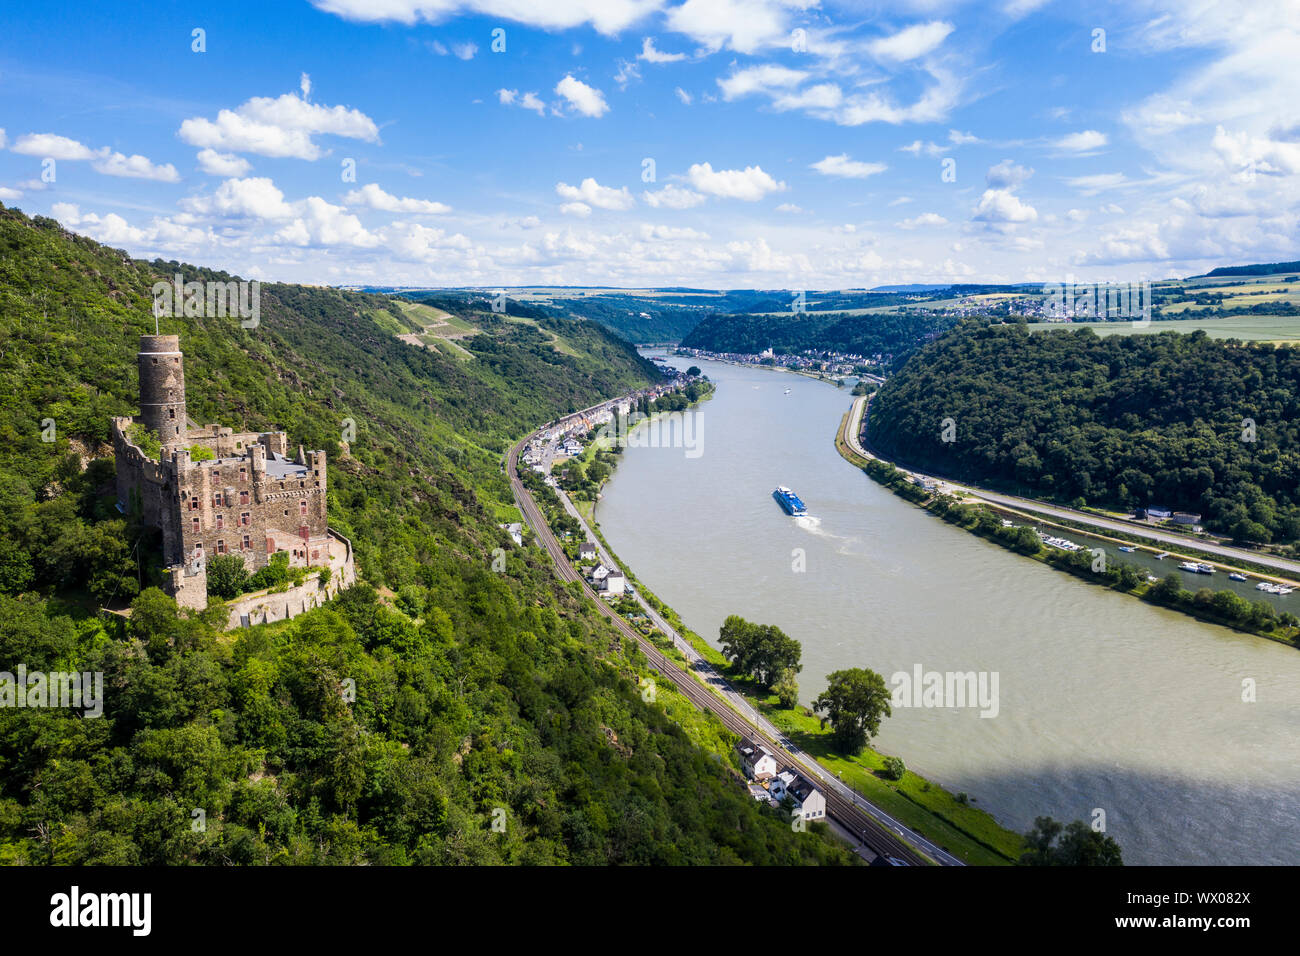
<point x="717" y="143"/>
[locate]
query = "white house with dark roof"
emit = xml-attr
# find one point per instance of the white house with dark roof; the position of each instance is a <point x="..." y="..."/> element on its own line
<point x="758" y="762"/>
<point x="808" y="800"/>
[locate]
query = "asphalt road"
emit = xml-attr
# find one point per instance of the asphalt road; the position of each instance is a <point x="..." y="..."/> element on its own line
<point x="1175" y="541"/>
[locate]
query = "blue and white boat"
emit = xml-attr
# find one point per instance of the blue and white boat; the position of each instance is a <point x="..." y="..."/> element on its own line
<point x="791" y="502"/>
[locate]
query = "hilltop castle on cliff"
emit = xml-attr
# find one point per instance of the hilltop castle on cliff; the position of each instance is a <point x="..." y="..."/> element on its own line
<point x="249" y="499"/>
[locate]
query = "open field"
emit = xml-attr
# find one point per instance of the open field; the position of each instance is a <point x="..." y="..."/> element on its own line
<point x="1249" y="328"/>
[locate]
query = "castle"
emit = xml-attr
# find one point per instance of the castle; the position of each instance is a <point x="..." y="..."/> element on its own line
<point x="249" y="498"/>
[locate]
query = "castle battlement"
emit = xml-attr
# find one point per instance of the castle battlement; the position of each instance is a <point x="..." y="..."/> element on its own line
<point x="245" y="497"/>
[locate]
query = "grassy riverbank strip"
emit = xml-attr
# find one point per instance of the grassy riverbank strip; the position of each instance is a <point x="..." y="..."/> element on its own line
<point x="1224" y="607"/>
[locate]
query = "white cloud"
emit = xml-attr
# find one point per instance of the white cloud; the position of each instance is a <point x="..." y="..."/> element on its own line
<point x="594" y="194"/>
<point x="373" y="196"/>
<point x="103" y="160"/>
<point x="911" y="42"/>
<point x="924" y="219"/>
<point x="9" y="195"/>
<point x="529" y="101"/>
<point x="2" y="138"/>
<point x="580" y="209"/>
<point x="958" y="138"/>
<point x="683" y="96"/>
<point x="673" y="197"/>
<point x="1007" y="175"/>
<point x="319" y="223"/>
<point x="1003" y="206"/>
<point x="133" y="167"/>
<point x="53" y="146"/>
<point x="1251" y="155"/>
<point x="655" y="232"/>
<point x="1089" y="185"/>
<point x="605" y="16"/>
<point x="1085" y="141"/>
<point x="788" y="207"/>
<point x="587" y="100"/>
<point x="651" y="55"/>
<point x="464" y="51"/>
<point x="254" y="198"/>
<point x="282" y="127"/>
<point x="222" y="164"/>
<point x="743" y="25"/>
<point x="749" y="184"/>
<point x="847" y="168"/>
<point x="760" y="79"/>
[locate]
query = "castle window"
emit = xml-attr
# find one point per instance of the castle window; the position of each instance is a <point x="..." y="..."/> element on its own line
<point x="244" y="518"/>
<point x="216" y="473"/>
<point x="248" y="544"/>
<point x="171" y="413"/>
<point x="221" y="523"/>
<point x="302" y="507"/>
<point x="302" y="484"/>
<point x="216" y="500"/>
<point x="155" y="361"/>
<point x="243" y="497"/>
<point x="243" y="474"/>
<point x="221" y="546"/>
<point x="194" y="503"/>
<point x="315" y="553"/>
<point x="286" y="512"/>
<point x="194" y="526"/>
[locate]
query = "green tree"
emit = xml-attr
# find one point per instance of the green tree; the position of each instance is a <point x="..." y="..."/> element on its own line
<point x="1050" y="843"/>
<point x="786" y="688"/>
<point x="227" y="576"/>
<point x="894" y="768"/>
<point x="853" y="702"/>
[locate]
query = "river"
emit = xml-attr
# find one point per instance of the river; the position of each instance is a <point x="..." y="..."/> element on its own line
<point x="1104" y="702"/>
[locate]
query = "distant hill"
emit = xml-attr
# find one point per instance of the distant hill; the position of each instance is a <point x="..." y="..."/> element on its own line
<point x="1262" y="269"/>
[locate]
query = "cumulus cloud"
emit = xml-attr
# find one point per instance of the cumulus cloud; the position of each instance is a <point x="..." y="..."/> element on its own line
<point x="1007" y="175"/>
<point x="911" y="42"/>
<point x="1003" y="206"/>
<point x="651" y="55"/>
<point x="749" y="184"/>
<point x="673" y="197"/>
<point x="280" y="128"/>
<point x="580" y="209"/>
<point x="103" y="160"/>
<point x="741" y="25"/>
<point x="222" y="164"/>
<point x="320" y="223"/>
<point x="133" y="167"/>
<point x="253" y="198"/>
<point x="609" y="17"/>
<point x="9" y="195"/>
<point x="464" y="51"/>
<point x="924" y="219"/>
<point x="373" y="196"/>
<point x="760" y="79"/>
<point x="847" y="168"/>
<point x="1085" y="141"/>
<point x="594" y="194"/>
<point x="53" y="146"/>
<point x="587" y="100"/>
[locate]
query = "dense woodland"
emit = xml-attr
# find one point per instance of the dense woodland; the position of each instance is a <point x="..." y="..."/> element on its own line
<point x="1123" y="421"/>
<point x="481" y="697"/>
<point x="886" y="334"/>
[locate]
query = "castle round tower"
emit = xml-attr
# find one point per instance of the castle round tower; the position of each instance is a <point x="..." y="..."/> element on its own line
<point x="162" y="389"/>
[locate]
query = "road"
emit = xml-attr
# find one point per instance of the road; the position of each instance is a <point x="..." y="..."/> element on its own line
<point x="852" y="436"/>
<point x="880" y="833"/>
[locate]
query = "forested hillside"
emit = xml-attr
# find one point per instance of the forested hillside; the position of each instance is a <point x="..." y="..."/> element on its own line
<point x="1123" y="421"/>
<point x="481" y="697"/>
<point x="889" y="333"/>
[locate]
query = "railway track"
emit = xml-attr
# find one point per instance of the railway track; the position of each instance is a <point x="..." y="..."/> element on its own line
<point x="876" y="836"/>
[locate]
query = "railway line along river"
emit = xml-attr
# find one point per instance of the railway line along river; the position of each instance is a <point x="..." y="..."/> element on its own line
<point x="1103" y="702"/>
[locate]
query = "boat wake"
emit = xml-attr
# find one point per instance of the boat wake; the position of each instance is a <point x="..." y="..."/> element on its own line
<point x="813" y="525"/>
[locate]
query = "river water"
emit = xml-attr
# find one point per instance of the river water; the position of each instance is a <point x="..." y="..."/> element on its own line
<point x="1104" y="702"/>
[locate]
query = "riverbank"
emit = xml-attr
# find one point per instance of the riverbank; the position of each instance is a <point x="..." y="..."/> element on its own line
<point x="1223" y="607"/>
<point x="950" y="820"/>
